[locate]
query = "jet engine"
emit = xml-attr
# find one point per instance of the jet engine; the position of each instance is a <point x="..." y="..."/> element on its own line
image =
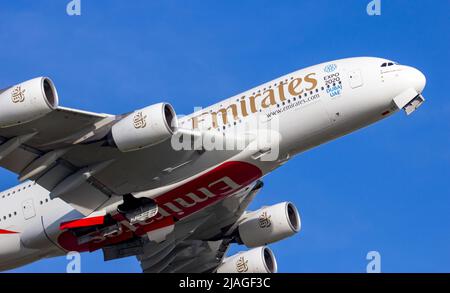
<point x="145" y="127"/>
<point x="269" y="224"/>
<point x="257" y="260"/>
<point x="27" y="101"/>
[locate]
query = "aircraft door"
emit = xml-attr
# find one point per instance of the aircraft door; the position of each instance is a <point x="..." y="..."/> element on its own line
<point x="28" y="209"/>
<point x="355" y="78"/>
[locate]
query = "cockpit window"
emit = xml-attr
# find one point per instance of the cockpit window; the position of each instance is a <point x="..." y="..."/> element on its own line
<point x="389" y="64"/>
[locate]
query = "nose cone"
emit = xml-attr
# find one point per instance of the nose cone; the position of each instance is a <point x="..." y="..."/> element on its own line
<point x="417" y="79"/>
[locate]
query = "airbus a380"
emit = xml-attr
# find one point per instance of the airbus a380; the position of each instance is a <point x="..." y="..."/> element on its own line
<point x="149" y="184"/>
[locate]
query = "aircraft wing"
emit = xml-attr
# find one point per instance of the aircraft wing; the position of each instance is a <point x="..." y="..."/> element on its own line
<point x="57" y="130"/>
<point x="194" y="256"/>
<point x="66" y="152"/>
<point x="199" y="243"/>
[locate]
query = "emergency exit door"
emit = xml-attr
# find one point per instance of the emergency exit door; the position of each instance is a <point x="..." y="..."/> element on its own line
<point x="28" y="209"/>
<point x="355" y="78"/>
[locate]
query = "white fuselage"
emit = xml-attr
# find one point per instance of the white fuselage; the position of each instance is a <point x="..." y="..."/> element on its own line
<point x="306" y="108"/>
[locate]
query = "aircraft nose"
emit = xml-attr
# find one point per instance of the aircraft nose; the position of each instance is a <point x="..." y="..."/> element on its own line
<point x="417" y="79"/>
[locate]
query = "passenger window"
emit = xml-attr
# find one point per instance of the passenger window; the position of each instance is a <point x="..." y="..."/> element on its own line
<point x="383" y="65"/>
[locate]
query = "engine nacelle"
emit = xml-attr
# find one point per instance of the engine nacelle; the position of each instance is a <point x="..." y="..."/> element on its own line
<point x="27" y="101"/>
<point x="269" y="224"/>
<point x="143" y="128"/>
<point x="257" y="260"/>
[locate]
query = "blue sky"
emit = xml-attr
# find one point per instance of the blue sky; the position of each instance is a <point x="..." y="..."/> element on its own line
<point x="384" y="188"/>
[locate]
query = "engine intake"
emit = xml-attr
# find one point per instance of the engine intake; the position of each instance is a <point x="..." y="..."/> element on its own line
<point x="27" y="101"/>
<point x="258" y="260"/>
<point x="269" y="224"/>
<point x="146" y="127"/>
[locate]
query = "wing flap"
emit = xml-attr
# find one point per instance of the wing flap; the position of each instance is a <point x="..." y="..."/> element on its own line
<point x="55" y="127"/>
<point x="94" y="219"/>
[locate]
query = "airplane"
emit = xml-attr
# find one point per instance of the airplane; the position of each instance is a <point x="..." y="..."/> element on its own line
<point x="171" y="190"/>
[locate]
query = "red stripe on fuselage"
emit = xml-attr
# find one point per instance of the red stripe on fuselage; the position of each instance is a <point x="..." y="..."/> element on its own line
<point x="182" y="201"/>
<point x="85" y="222"/>
<point x="7" y="232"/>
<point x="205" y="190"/>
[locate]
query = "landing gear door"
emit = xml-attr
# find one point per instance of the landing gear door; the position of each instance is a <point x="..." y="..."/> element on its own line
<point x="355" y="78"/>
<point x="28" y="209"/>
